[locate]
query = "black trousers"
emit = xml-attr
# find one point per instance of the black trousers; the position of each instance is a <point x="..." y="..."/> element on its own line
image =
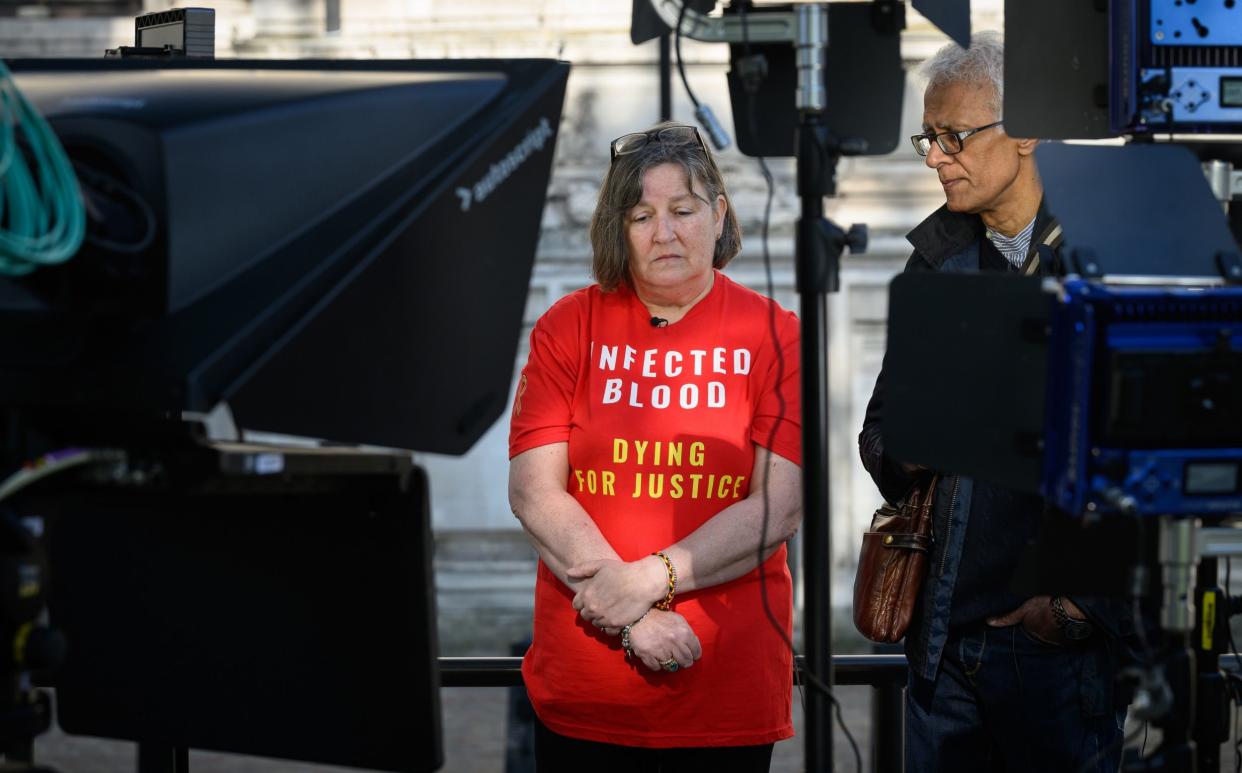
<point x="556" y="753"/>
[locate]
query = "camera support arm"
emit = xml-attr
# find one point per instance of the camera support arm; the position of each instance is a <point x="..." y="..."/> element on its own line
<point x="773" y="27"/>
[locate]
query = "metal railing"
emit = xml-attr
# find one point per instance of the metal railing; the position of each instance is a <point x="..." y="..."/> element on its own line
<point x="886" y="674"/>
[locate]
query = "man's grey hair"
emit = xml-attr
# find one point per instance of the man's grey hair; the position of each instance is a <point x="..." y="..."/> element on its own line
<point x="982" y="63"/>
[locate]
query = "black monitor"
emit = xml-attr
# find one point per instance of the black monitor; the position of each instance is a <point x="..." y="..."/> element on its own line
<point x="339" y="250"/>
<point x="863" y="79"/>
<point x="262" y="601"/>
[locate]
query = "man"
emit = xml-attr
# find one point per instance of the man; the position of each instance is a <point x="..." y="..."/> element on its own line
<point x="997" y="681"/>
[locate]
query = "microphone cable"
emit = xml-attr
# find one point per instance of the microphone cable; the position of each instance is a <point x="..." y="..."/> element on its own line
<point x="702" y="111"/>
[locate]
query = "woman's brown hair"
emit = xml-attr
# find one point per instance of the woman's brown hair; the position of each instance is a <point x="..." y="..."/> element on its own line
<point x="623" y="189"/>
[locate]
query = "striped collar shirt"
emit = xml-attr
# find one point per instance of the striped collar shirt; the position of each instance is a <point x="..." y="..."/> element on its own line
<point x="1015" y="247"/>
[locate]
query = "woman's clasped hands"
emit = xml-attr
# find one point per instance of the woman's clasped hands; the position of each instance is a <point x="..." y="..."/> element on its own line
<point x="663" y="636"/>
<point x="612" y="594"/>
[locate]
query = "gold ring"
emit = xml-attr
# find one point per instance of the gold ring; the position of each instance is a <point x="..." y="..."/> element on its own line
<point x="670" y="665"/>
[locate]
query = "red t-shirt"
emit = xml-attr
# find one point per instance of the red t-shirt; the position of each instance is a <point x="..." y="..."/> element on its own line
<point x="661" y="424"/>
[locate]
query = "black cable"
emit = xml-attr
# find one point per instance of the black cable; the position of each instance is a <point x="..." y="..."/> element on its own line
<point x="807" y="674"/>
<point x="841" y="721"/>
<point x="109" y="188"/>
<point x="681" y="65"/>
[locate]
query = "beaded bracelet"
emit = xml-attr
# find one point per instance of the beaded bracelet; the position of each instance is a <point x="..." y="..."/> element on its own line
<point x="667" y="603"/>
<point x="625" y="634"/>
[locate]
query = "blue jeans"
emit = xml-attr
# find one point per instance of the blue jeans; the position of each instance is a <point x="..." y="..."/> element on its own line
<point x="1003" y="701"/>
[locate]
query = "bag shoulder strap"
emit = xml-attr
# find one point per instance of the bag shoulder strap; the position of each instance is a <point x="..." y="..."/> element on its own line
<point x="920" y="500"/>
<point x="1050" y="238"/>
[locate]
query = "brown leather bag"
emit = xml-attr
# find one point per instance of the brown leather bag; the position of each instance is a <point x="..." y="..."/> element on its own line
<point x="892" y="565"/>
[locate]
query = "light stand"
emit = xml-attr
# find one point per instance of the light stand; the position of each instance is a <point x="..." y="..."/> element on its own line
<point x="819" y="245"/>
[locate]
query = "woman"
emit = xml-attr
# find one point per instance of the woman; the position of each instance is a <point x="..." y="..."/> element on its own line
<point x="656" y="409"/>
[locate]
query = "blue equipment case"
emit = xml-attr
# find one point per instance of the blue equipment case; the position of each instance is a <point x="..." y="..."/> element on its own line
<point x="1144" y="400"/>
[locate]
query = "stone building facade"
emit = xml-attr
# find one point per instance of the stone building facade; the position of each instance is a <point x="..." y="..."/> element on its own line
<point x="485" y="570"/>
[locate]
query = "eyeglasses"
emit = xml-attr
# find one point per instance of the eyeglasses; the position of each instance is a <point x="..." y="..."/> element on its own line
<point x="949" y="142"/>
<point x="672" y="135"/>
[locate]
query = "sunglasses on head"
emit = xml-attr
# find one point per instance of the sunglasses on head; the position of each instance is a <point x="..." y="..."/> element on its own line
<point x="671" y="135"/>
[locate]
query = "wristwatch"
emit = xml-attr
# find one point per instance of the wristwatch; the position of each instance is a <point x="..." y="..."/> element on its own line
<point x="1074" y="630"/>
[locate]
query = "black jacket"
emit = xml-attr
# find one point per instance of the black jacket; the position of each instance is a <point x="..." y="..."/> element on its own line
<point x="980" y="530"/>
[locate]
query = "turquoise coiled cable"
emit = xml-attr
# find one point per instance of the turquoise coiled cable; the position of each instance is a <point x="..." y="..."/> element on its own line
<point x="42" y="220"/>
